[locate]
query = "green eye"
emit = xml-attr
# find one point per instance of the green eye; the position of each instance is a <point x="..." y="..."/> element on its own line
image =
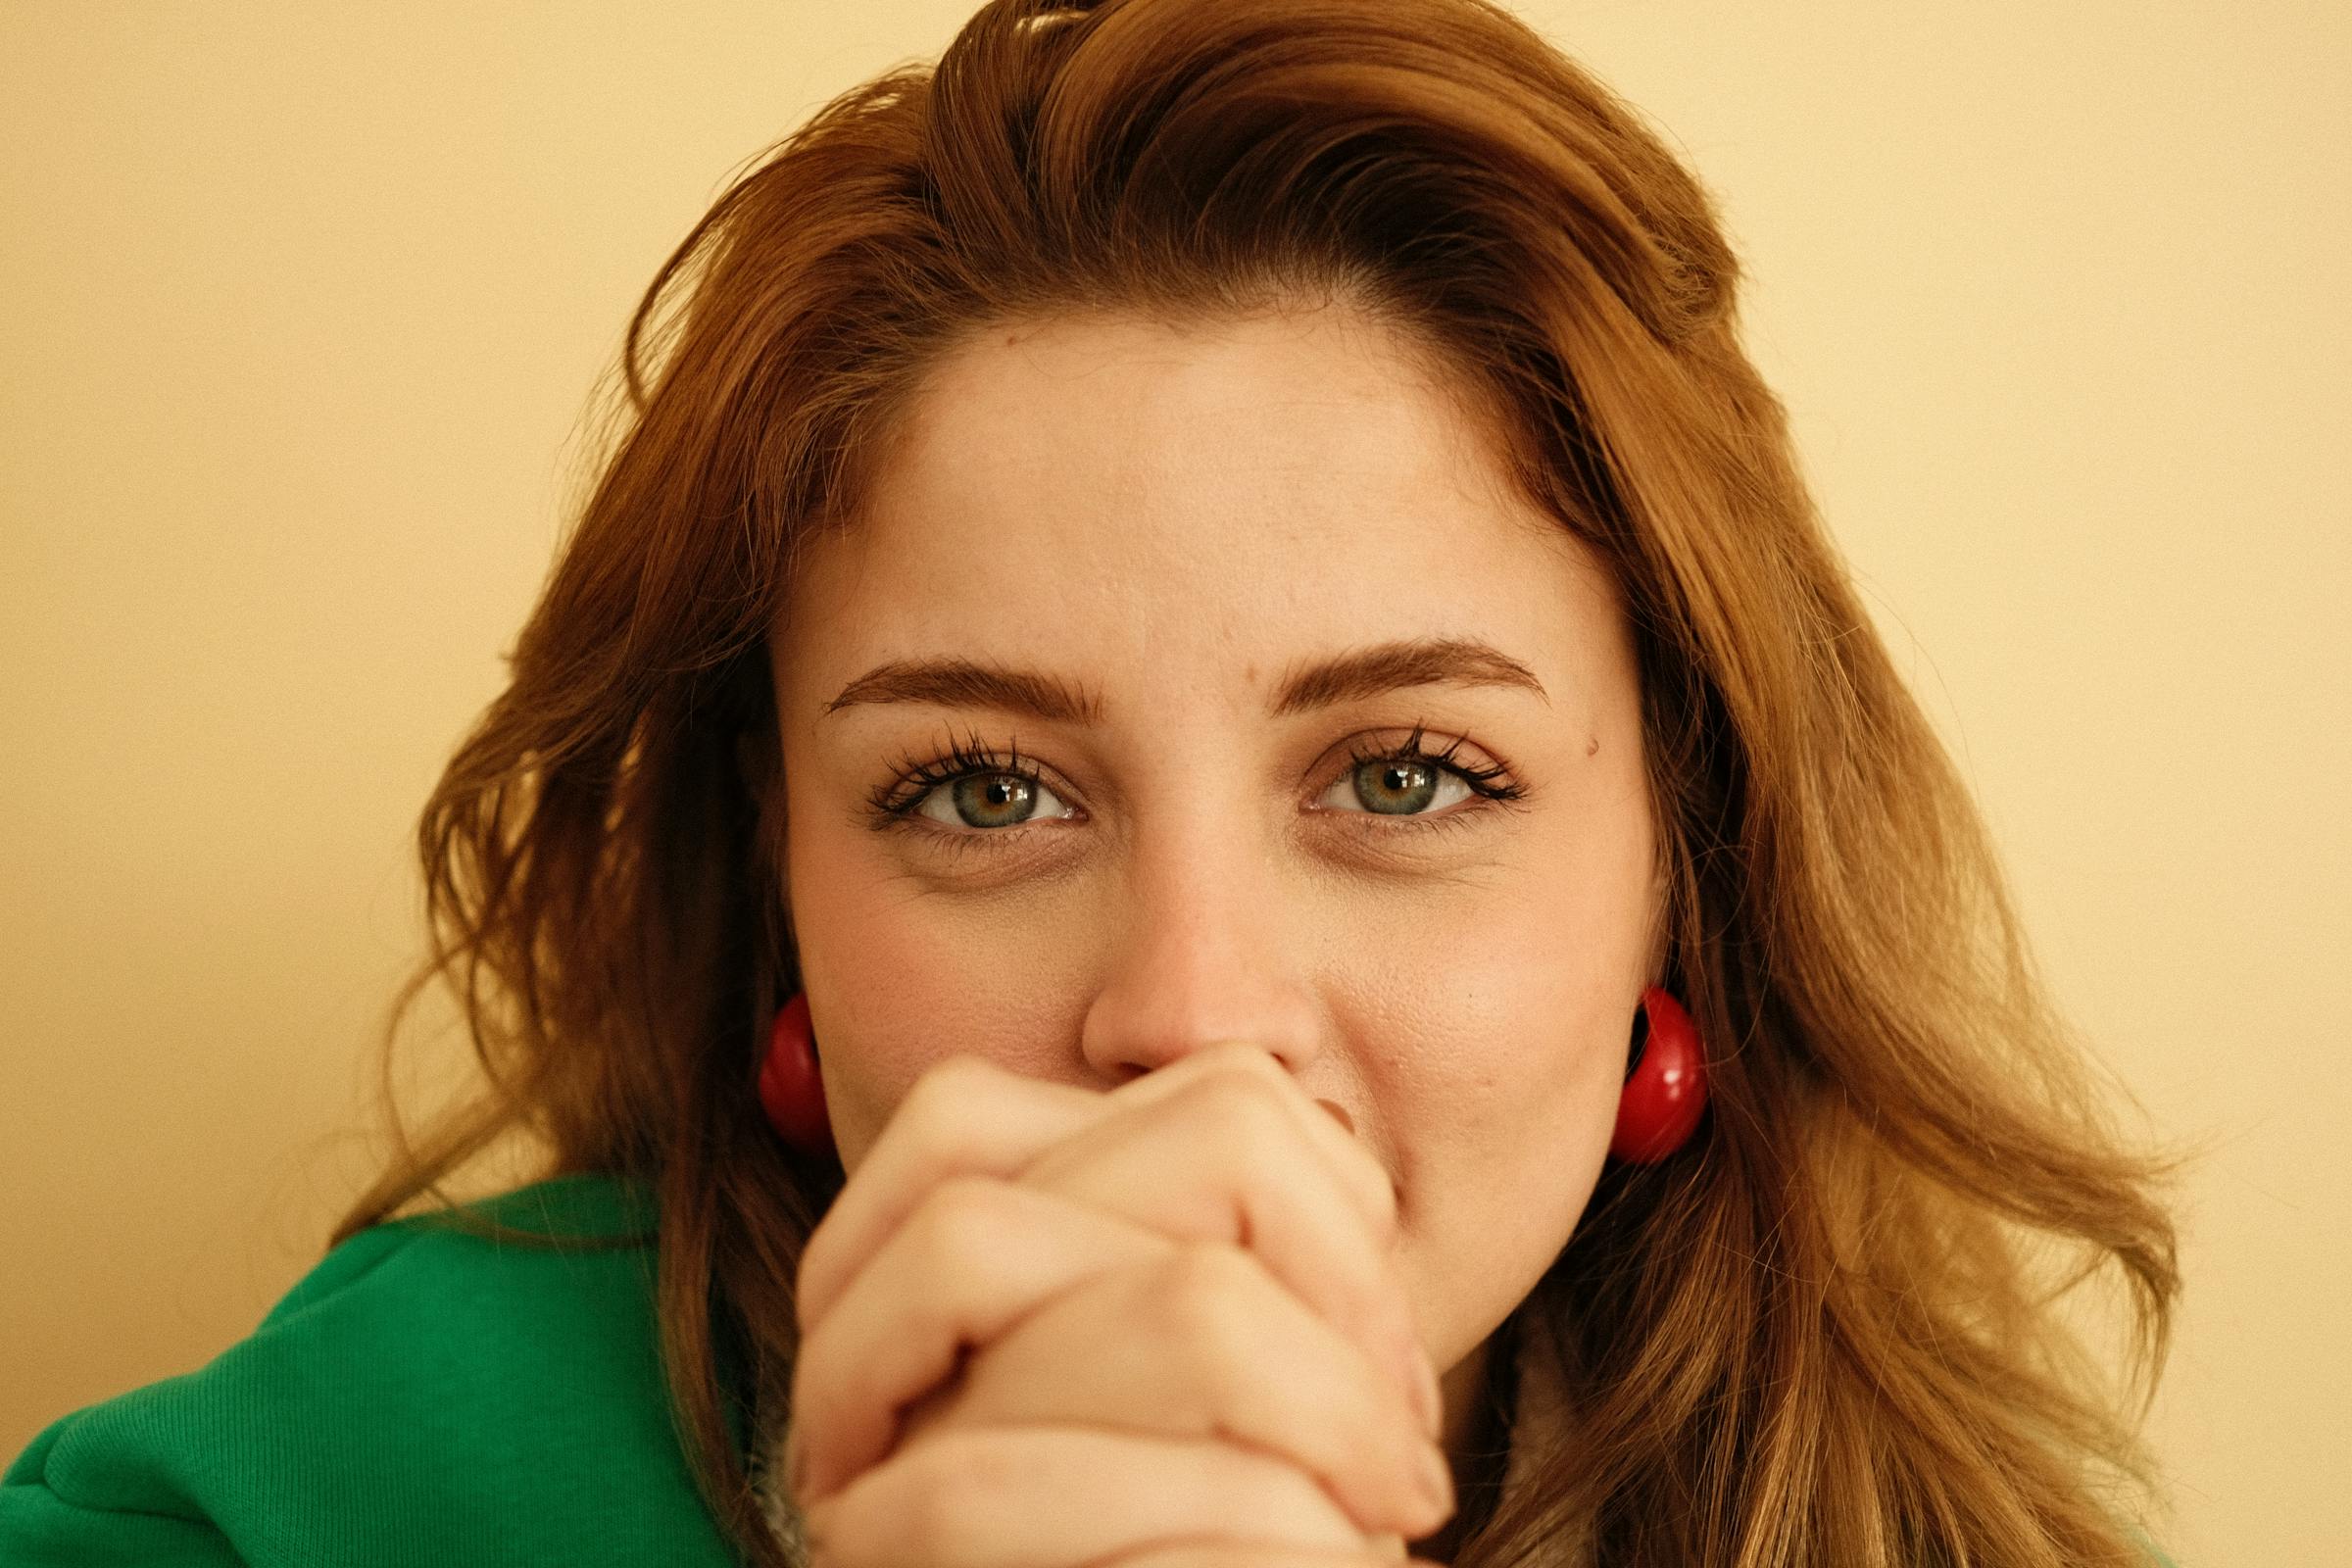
<point x="989" y="799"/>
<point x="981" y="796"/>
<point x="1396" y="786"/>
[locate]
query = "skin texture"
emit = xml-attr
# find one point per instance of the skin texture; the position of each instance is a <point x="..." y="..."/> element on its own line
<point x="1173" y="522"/>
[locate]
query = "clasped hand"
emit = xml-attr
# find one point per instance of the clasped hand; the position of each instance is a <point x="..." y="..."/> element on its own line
<point x="1162" y="1327"/>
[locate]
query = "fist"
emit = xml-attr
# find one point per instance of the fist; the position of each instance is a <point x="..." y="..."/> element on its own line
<point x="1044" y="1325"/>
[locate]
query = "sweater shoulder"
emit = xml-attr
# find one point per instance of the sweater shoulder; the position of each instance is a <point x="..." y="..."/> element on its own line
<point x="486" y="1382"/>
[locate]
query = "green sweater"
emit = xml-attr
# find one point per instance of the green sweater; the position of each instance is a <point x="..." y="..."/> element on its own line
<point x="423" y="1398"/>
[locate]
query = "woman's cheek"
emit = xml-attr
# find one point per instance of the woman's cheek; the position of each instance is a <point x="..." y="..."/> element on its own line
<point x="908" y="980"/>
<point x="888" y="997"/>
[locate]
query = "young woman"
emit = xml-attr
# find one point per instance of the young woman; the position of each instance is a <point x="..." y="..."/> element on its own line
<point x="1199" y="860"/>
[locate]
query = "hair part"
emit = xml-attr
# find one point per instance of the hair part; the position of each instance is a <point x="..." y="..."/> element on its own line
<point x="1826" y="1332"/>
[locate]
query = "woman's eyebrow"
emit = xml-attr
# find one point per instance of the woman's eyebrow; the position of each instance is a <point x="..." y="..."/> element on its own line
<point x="1352" y="676"/>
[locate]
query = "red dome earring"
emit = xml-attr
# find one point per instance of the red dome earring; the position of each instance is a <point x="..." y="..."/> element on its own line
<point x="1665" y="1084"/>
<point x="790" y="1091"/>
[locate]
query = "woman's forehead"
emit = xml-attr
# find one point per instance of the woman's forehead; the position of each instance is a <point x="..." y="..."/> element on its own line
<point x="1290" y="407"/>
<point x="1268" y="474"/>
<point x="1186" y="517"/>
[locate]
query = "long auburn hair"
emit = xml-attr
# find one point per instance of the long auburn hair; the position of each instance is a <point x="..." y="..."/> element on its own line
<point x="1828" y="1331"/>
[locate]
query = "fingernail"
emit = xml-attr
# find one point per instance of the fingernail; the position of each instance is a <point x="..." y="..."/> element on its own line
<point x="1437" y="1481"/>
<point x="1433" y="1399"/>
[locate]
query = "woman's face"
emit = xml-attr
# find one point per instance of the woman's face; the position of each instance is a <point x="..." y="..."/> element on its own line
<point x="1184" y="574"/>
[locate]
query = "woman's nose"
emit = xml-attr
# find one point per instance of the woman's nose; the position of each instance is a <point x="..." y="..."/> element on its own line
<point x="1203" y="951"/>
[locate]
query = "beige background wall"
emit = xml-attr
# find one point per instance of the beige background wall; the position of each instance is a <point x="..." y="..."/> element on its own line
<point x="301" y="305"/>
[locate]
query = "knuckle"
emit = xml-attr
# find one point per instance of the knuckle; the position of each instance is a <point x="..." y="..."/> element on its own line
<point x="916" y="1506"/>
<point x="1247" y="1064"/>
<point x="1370" y="1177"/>
<point x="1244" y="1104"/>
<point x="950" y="1479"/>
<point x="963" y="1465"/>
<point x="1245" y="1100"/>
<point x="1197" y="1272"/>
<point x="1221" y="1554"/>
<point x="951" y="1225"/>
<point x="941" y="1099"/>
<point x="1203" y="1293"/>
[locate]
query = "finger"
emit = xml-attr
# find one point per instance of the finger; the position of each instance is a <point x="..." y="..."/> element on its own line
<point x="1386" y="1553"/>
<point x="1201" y="1341"/>
<point x="966" y="1115"/>
<point x="1066" y="1497"/>
<point x="1362" y="1177"/>
<point x="977" y="1254"/>
<point x="1221" y="1161"/>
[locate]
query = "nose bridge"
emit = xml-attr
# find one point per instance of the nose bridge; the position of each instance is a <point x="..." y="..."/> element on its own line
<point x="1202" y="951"/>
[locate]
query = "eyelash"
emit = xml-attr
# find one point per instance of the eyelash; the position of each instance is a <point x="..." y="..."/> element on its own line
<point x="917" y="779"/>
